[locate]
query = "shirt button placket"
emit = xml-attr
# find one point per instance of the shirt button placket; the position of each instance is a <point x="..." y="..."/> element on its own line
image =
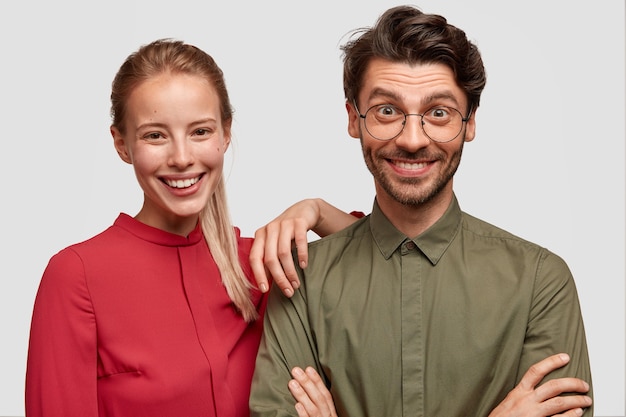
<point x="412" y="351"/>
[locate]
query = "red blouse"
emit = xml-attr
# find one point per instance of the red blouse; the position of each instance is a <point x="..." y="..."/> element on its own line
<point x="136" y="322"/>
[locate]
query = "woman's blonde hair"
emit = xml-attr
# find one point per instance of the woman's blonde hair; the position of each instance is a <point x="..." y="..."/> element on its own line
<point x="173" y="56"/>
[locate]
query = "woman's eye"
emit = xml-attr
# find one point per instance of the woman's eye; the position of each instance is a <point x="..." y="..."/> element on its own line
<point x="153" y="136"/>
<point x="203" y="132"/>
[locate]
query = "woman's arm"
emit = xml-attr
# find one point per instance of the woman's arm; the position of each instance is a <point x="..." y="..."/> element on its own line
<point x="61" y="374"/>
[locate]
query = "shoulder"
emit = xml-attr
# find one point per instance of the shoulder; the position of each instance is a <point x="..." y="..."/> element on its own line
<point x="244" y="244"/>
<point x="91" y="244"/>
<point x="504" y="242"/>
<point x="356" y="230"/>
<point x="108" y="238"/>
<point x="480" y="229"/>
<point x="65" y="276"/>
<point x="341" y="242"/>
<point x="71" y="260"/>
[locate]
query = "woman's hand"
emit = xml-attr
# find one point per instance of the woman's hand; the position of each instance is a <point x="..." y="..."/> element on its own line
<point x="271" y="253"/>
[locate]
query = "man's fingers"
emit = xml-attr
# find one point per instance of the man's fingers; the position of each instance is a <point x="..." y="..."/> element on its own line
<point x="302" y="399"/>
<point x="567" y="404"/>
<point x="319" y="384"/>
<point x="577" y="412"/>
<point x="308" y="385"/>
<point x="316" y="401"/>
<point x="559" y="386"/>
<point x="538" y="371"/>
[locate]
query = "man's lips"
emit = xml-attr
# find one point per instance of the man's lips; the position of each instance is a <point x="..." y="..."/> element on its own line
<point x="409" y="165"/>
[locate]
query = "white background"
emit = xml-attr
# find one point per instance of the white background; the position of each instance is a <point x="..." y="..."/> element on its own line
<point x="547" y="163"/>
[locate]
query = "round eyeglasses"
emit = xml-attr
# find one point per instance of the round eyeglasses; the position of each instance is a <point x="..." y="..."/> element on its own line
<point x="440" y="124"/>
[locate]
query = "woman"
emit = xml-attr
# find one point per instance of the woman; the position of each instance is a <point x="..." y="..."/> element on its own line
<point x="157" y="315"/>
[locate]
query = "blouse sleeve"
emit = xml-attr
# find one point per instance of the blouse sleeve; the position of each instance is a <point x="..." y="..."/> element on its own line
<point x="357" y="214"/>
<point x="61" y="372"/>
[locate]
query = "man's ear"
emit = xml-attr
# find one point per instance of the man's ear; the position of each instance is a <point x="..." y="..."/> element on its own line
<point x="120" y="145"/>
<point x="470" y="127"/>
<point x="354" y="128"/>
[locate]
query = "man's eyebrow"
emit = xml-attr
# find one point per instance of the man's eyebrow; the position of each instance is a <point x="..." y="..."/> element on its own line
<point x="381" y="92"/>
<point x="428" y="100"/>
<point x="443" y="95"/>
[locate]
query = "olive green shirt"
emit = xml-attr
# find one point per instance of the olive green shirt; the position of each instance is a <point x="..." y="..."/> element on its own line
<point x="441" y="325"/>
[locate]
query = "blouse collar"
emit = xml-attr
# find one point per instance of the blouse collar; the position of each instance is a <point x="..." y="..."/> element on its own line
<point x="155" y="235"/>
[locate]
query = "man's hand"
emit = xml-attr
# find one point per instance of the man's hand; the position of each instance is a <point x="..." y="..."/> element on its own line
<point x="528" y="400"/>
<point x="312" y="396"/>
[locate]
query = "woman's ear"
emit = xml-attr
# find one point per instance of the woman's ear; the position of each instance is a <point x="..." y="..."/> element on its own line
<point x="120" y="145"/>
<point x="227" y="134"/>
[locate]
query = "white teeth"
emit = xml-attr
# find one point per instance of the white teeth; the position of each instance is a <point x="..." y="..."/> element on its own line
<point x="182" y="183"/>
<point x="406" y="165"/>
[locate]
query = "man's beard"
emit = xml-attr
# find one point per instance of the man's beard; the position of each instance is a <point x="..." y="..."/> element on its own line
<point x="411" y="191"/>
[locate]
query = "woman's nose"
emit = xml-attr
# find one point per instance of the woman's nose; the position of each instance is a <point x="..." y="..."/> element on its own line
<point x="181" y="155"/>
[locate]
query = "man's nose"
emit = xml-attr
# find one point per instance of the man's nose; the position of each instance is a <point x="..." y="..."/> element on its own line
<point x="412" y="136"/>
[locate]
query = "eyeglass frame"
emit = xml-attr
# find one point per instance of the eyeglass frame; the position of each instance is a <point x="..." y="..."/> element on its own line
<point x="362" y="116"/>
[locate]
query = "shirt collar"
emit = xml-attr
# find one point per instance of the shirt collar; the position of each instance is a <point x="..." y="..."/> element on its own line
<point x="433" y="242"/>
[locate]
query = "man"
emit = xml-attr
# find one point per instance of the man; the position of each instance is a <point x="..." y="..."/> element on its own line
<point x="418" y="309"/>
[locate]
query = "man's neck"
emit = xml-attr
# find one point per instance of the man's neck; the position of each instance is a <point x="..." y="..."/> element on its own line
<point x="413" y="220"/>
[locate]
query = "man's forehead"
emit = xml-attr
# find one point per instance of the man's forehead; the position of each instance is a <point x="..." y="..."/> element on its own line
<point x="397" y="81"/>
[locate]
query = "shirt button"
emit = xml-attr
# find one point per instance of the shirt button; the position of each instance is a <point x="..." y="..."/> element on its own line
<point x="410" y="245"/>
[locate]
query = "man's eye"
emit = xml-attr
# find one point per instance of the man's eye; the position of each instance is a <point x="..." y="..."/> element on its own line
<point x="439" y="112"/>
<point x="387" y="110"/>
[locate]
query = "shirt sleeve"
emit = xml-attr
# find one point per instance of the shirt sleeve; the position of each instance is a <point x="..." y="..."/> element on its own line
<point x="61" y="374"/>
<point x="556" y="324"/>
<point x="286" y="342"/>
